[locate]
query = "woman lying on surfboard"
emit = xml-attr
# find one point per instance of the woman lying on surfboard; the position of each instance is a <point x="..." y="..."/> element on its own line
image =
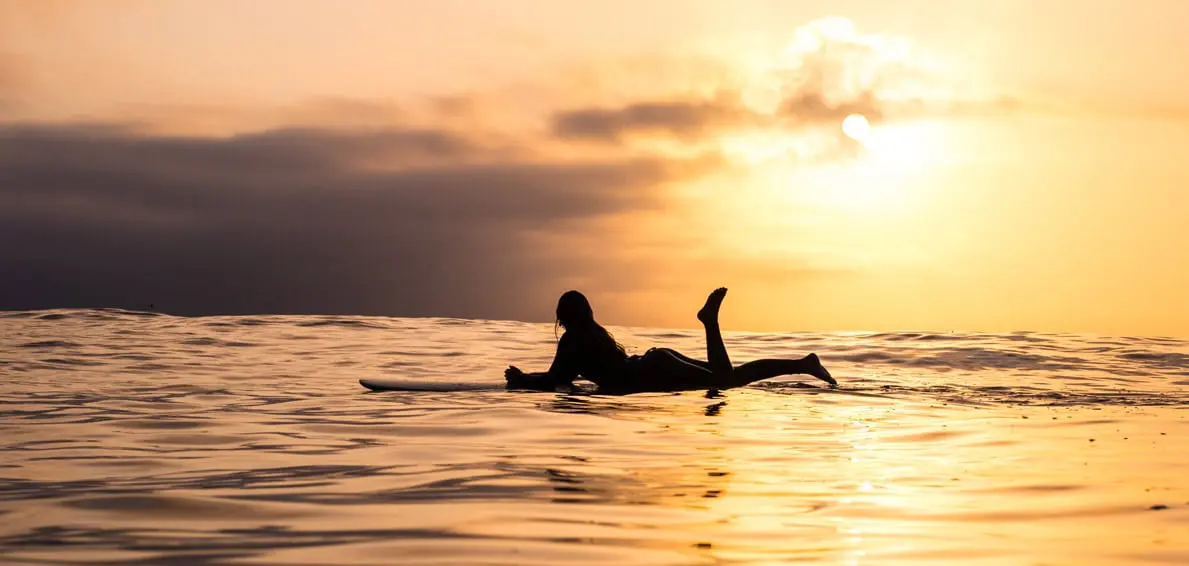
<point x="586" y="349"/>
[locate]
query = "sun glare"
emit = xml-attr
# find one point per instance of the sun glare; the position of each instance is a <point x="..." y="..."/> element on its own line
<point x="856" y="127"/>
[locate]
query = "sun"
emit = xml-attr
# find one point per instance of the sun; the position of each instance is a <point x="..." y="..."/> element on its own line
<point x="856" y="127"/>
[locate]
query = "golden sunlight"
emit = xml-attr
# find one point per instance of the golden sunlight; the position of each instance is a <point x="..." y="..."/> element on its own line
<point x="856" y="127"/>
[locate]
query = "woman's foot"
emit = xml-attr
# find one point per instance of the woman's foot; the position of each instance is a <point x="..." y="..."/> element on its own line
<point x="709" y="312"/>
<point x="816" y="369"/>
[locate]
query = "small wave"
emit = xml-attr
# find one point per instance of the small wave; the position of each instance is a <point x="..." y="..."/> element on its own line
<point x="128" y="312"/>
<point x="920" y="337"/>
<point x="48" y="344"/>
<point x="1161" y="359"/>
<point x="990" y="395"/>
<point x="341" y="323"/>
<point x="207" y="341"/>
<point x="251" y="322"/>
<point x="963" y="358"/>
<point x="17" y="314"/>
<point x="71" y="362"/>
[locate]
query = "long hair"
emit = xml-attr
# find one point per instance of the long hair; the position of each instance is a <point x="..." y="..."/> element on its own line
<point x="575" y="314"/>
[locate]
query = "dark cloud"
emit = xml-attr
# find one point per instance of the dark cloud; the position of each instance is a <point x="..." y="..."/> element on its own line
<point x="399" y="222"/>
<point x="684" y="119"/>
<point x="692" y="120"/>
<point x="289" y="154"/>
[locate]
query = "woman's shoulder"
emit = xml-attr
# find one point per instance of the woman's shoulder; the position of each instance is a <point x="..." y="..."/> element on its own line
<point x="568" y="339"/>
<point x="573" y="340"/>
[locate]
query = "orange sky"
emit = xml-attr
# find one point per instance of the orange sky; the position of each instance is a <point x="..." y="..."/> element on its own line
<point x="1023" y="170"/>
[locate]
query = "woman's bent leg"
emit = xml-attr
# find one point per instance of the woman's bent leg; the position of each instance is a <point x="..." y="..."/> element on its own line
<point x="716" y="350"/>
<point x="668" y="370"/>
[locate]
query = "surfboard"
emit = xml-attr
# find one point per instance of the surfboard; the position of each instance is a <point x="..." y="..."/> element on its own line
<point x="426" y="385"/>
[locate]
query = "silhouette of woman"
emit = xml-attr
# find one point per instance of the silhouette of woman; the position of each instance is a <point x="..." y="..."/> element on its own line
<point x="586" y="349"/>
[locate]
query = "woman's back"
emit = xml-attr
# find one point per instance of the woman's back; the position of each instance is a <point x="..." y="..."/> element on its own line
<point x="592" y="353"/>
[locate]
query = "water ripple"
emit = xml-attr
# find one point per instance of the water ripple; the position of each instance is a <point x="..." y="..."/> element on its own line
<point x="141" y="438"/>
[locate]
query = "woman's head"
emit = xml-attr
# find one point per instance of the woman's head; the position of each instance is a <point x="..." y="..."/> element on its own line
<point x="573" y="310"/>
<point x="574" y="314"/>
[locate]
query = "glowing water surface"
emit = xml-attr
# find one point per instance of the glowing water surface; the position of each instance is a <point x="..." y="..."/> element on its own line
<point x="149" y="439"/>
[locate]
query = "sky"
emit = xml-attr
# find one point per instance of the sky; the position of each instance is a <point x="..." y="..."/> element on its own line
<point x="1004" y="166"/>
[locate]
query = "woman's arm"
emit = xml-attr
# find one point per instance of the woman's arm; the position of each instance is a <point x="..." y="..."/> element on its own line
<point x="539" y="381"/>
<point x="561" y="372"/>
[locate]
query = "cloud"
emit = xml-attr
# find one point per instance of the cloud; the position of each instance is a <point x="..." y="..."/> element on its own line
<point x="837" y="73"/>
<point x="811" y="106"/>
<point x="451" y="206"/>
<point x="297" y="220"/>
<point x="694" y="120"/>
<point x="290" y="154"/>
<point x="679" y="118"/>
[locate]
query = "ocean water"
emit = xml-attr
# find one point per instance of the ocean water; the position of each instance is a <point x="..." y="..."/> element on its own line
<point x="136" y="438"/>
